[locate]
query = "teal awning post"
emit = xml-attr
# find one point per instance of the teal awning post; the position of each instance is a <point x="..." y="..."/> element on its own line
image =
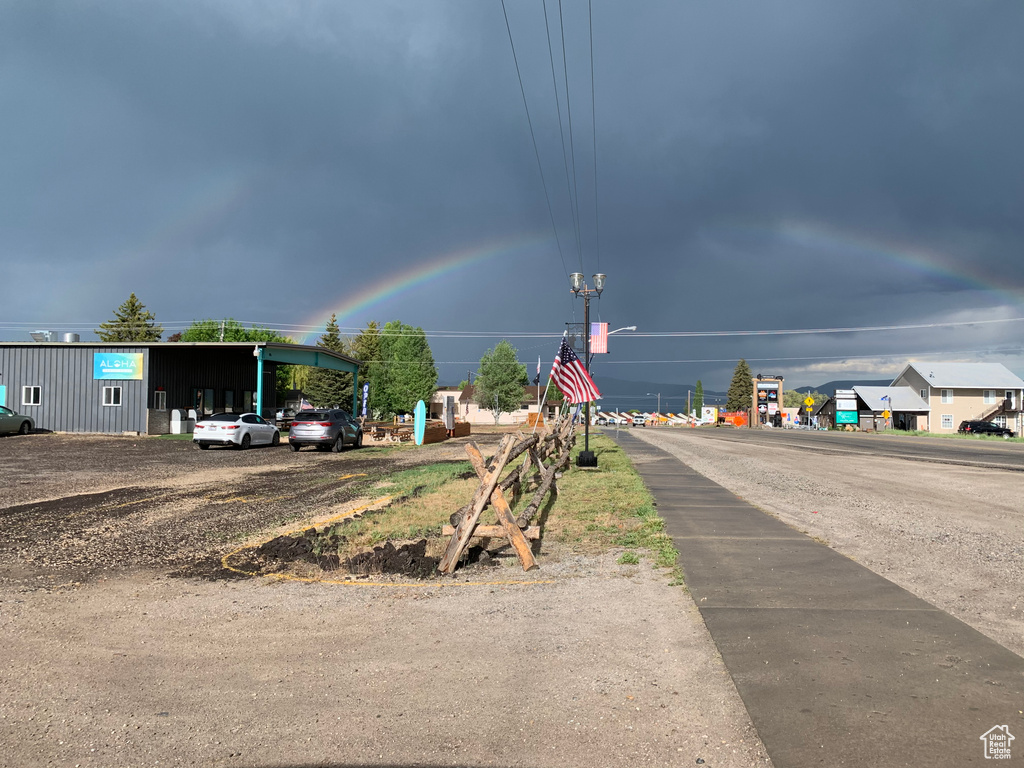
<point x="355" y="392"/>
<point x="258" y="406"/>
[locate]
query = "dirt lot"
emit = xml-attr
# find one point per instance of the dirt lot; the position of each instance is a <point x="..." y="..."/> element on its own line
<point x="126" y="642"/>
<point x="953" y="535"/>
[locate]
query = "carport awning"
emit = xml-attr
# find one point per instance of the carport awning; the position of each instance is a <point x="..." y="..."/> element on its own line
<point x="294" y="354"/>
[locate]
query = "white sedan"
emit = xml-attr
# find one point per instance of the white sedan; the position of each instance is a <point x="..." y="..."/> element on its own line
<point x="238" y="429"/>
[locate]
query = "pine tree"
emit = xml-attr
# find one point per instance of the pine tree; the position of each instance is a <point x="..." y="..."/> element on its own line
<point x="500" y="381"/>
<point x="366" y="349"/>
<point x="741" y="389"/>
<point x="698" y="399"/>
<point x="131" y="323"/>
<point x="324" y="387"/>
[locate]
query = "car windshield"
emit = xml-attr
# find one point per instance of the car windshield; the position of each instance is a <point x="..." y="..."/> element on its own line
<point x="312" y="416"/>
<point x="223" y="417"/>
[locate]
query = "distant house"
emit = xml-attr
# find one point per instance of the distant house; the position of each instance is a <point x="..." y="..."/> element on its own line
<point x="958" y="392"/>
<point x="468" y="411"/>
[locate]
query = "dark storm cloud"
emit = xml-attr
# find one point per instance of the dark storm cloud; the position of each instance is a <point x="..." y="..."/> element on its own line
<point x="167" y="148"/>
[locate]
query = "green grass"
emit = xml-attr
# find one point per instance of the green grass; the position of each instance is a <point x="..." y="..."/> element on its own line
<point x="947" y="435"/>
<point x="596" y="510"/>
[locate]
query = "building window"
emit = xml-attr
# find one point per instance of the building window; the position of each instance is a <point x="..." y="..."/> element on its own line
<point x="111" y="395"/>
<point x="229" y="400"/>
<point x="1001" y="421"/>
<point x="947" y="397"/>
<point x="160" y="400"/>
<point x="924" y="395"/>
<point x="1009" y="396"/>
<point x="947" y="421"/>
<point x="248" y="401"/>
<point x="31" y="395"/>
<point x="988" y="396"/>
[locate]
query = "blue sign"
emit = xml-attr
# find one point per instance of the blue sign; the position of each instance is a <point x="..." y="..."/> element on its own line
<point x="366" y="396"/>
<point x="117" y="365"/>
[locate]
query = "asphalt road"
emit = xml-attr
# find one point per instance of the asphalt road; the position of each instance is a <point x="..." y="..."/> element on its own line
<point x="972" y="452"/>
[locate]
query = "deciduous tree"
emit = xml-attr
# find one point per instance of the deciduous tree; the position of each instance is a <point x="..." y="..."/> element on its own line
<point x="406" y="373"/>
<point x="698" y="399"/>
<point x="500" y="380"/>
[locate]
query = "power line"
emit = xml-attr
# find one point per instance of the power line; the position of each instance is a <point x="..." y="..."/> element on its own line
<point x="477" y="334"/>
<point x="572" y="143"/>
<point x="593" y="122"/>
<point x="533" y="136"/>
<point x="573" y="208"/>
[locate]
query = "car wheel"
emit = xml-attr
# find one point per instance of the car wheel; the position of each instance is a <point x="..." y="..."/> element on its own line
<point x="25" y="428"/>
<point x="338" y="445"/>
<point x="246" y="442"/>
<point x="1007" y="435"/>
<point x="294" y="446"/>
<point x="359" y="440"/>
<point x="203" y="446"/>
<point x="276" y="439"/>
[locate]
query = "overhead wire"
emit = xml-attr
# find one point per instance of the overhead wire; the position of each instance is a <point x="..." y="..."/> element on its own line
<point x="573" y="209"/>
<point x="572" y="143"/>
<point x="533" y="137"/>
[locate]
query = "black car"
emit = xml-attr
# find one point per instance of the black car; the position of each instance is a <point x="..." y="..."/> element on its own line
<point x="983" y="428"/>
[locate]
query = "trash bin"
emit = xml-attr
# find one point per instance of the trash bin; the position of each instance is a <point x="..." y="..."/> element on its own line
<point x="178" y="420"/>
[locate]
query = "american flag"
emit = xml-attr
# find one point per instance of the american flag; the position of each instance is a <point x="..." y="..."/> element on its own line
<point x="571" y="377"/>
<point x="598" y="338"/>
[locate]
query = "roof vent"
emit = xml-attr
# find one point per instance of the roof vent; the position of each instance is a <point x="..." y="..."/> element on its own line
<point x="71" y="338"/>
<point x="43" y="336"/>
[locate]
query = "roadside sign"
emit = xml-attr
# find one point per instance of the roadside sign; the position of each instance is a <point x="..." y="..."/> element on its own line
<point x="885" y="414"/>
<point x="810" y="408"/>
<point x="808" y="401"/>
<point x="846" y="417"/>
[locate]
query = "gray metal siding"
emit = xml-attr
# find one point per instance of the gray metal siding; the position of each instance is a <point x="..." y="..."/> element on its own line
<point x="71" y="400"/>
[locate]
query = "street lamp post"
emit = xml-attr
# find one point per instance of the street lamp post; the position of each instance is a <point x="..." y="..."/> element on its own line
<point x="659" y="404"/>
<point x="586" y="457"/>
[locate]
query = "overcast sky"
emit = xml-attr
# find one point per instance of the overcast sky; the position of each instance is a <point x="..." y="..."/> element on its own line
<point x="759" y="166"/>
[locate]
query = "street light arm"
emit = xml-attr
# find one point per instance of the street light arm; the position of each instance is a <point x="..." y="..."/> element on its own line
<point x="627" y="328"/>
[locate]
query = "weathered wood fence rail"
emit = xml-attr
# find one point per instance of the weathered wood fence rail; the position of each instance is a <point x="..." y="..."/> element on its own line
<point x="553" y="447"/>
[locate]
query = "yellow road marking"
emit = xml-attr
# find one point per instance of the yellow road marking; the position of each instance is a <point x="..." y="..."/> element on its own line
<point x="358" y="474"/>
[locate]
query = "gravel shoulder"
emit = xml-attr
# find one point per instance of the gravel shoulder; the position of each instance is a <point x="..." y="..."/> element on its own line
<point x="952" y="535"/>
<point x="109" y="660"/>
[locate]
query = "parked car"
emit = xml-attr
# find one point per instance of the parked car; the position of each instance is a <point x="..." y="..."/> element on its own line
<point x="236" y="429"/>
<point x="328" y="430"/>
<point x="639" y="421"/>
<point x="983" y="428"/>
<point x="602" y="421"/>
<point x="284" y="418"/>
<point x="12" y="421"/>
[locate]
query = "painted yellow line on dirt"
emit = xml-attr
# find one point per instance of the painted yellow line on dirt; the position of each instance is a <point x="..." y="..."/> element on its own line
<point x="347" y="477"/>
<point x="346" y="583"/>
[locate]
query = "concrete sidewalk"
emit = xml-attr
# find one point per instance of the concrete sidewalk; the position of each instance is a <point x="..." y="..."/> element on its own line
<point x="836" y="665"/>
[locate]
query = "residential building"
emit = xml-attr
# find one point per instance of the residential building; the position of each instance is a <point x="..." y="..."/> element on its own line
<point x="956" y="392"/>
<point x="468" y="411"/>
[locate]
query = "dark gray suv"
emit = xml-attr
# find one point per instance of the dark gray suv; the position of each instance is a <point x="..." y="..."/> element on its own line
<point x="328" y="429"/>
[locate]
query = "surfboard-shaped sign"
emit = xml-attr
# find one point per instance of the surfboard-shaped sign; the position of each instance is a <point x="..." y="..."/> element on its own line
<point x="419" y="426"/>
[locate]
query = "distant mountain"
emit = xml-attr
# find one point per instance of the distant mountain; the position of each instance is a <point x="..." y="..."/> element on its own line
<point x="831" y="386"/>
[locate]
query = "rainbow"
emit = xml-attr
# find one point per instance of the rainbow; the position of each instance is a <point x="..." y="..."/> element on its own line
<point x="822" y="240"/>
<point x="397" y="284"/>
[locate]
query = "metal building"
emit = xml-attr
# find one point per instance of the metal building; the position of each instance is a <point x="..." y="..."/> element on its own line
<point x="133" y="387"/>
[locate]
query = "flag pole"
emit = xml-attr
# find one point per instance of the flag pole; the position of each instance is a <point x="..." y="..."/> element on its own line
<point x="546" y="388"/>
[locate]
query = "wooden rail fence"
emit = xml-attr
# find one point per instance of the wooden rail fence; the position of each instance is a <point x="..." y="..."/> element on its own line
<point x="533" y="473"/>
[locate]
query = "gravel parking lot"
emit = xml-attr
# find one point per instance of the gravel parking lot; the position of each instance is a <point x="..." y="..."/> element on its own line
<point x="126" y="643"/>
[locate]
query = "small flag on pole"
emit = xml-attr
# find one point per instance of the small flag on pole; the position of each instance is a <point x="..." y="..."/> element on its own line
<point x="571" y="377"/>
<point x="598" y="338"/>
